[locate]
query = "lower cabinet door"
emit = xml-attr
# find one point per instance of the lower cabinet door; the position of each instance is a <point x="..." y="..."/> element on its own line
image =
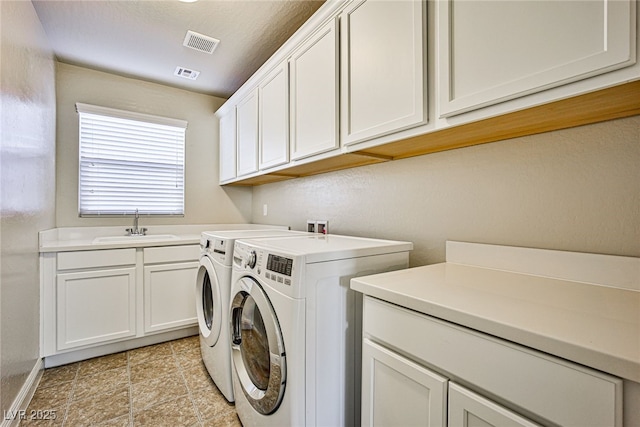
<point x="170" y="296"/>
<point x="399" y="392"/>
<point x="468" y="409"/>
<point x="95" y="307"/>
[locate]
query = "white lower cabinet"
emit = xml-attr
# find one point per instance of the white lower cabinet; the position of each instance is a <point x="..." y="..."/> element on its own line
<point x="169" y="287"/>
<point x="399" y="392"/>
<point x="100" y="297"/>
<point x="169" y="296"/>
<point x="95" y="307"/>
<point x="469" y="409"/>
<point x="413" y="366"/>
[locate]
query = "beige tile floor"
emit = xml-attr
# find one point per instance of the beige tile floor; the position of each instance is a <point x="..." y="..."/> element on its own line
<point x="159" y="385"/>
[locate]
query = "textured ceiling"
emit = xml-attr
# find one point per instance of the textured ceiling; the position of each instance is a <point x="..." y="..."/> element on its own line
<point x="143" y="39"/>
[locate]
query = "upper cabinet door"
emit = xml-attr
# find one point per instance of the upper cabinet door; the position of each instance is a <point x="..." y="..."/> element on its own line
<point x="383" y="68"/>
<point x="247" y="134"/>
<point x="274" y="118"/>
<point x="228" y="146"/>
<point x="314" y="94"/>
<point x="493" y="51"/>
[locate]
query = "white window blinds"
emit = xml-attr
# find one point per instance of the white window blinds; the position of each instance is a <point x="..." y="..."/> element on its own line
<point x="130" y="161"/>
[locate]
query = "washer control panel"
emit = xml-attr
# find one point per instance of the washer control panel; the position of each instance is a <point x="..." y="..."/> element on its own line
<point x="279" y="269"/>
<point x="271" y="267"/>
<point x="279" y="264"/>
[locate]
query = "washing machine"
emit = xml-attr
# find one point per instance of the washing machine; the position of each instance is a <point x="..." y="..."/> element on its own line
<point x="212" y="299"/>
<point x="296" y="326"/>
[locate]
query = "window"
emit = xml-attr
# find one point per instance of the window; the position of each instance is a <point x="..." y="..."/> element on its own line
<point x="130" y="161"/>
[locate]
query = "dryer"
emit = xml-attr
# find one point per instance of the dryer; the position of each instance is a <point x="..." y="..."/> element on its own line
<point x="213" y="285"/>
<point x="296" y="326"/>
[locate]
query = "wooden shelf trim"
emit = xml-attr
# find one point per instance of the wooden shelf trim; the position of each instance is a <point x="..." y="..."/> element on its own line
<point x="599" y="106"/>
<point x="606" y="104"/>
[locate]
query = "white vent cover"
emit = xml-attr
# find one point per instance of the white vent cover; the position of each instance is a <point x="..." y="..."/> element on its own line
<point x="186" y="73"/>
<point x="200" y="42"/>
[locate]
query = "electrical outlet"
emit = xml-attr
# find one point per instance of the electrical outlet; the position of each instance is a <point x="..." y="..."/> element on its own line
<point x="311" y="226"/>
<point x="265" y="209"/>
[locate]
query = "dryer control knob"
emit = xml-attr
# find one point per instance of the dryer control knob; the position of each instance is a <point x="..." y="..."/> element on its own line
<point x="251" y="259"/>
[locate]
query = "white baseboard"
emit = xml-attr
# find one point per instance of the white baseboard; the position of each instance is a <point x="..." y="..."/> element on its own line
<point x="101" y="350"/>
<point x="11" y="417"/>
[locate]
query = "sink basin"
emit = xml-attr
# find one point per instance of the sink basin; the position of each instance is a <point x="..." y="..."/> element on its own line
<point x="129" y="239"/>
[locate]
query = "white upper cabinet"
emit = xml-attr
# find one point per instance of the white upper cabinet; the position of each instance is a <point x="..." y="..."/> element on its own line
<point x="273" y="112"/>
<point x="228" y="145"/>
<point x="314" y="94"/>
<point x="493" y="51"/>
<point x="247" y="134"/>
<point x="354" y="81"/>
<point x="383" y="68"/>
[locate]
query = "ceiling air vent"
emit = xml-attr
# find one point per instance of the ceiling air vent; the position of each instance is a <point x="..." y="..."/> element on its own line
<point x="200" y="42"/>
<point x="187" y="73"/>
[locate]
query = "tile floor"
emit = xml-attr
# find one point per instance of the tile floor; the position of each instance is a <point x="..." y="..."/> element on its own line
<point x="160" y="385"/>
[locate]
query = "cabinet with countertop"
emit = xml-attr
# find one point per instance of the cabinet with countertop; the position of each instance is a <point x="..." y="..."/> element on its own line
<point x="103" y="292"/>
<point x="480" y="375"/>
<point x="503" y="335"/>
<point x="104" y="296"/>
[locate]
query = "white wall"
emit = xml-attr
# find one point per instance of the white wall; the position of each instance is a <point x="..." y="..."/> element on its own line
<point x="576" y="189"/>
<point x="205" y="201"/>
<point x="27" y="177"/>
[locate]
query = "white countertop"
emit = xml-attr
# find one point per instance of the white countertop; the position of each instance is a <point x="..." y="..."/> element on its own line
<point x="89" y="244"/>
<point x="594" y="325"/>
<point x="84" y="238"/>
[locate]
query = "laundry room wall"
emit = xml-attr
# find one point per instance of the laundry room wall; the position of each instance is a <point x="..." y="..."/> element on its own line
<point x="576" y="189"/>
<point x="27" y="177"/>
<point x="205" y="201"/>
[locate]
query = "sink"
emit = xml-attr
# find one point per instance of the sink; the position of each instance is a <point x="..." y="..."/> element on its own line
<point x="130" y="239"/>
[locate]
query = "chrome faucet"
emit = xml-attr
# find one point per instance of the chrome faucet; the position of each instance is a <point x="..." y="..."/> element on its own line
<point x="135" y="231"/>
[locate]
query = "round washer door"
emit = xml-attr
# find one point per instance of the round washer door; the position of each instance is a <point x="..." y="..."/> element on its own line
<point x="208" y="302"/>
<point x="257" y="347"/>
